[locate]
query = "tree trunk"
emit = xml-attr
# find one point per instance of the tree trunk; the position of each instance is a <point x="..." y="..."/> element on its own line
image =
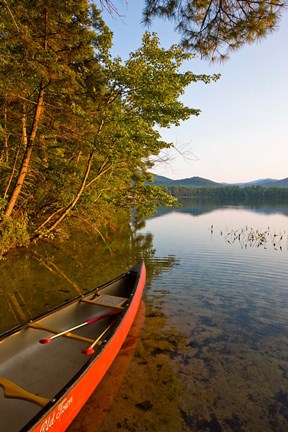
<point x="30" y="142"/>
<point x="24" y="143"/>
<point x="27" y="155"/>
<point x="6" y="135"/>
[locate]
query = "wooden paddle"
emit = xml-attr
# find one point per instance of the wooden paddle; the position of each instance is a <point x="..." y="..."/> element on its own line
<point x="90" y="321"/>
<point x="12" y="390"/>
<point x="90" y="350"/>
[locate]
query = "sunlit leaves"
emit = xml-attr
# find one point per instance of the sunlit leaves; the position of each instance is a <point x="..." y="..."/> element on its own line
<point x="99" y="126"/>
<point x="151" y="83"/>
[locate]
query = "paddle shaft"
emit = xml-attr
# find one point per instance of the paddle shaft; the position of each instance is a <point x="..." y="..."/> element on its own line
<point x="90" y="350"/>
<point x="88" y="322"/>
<point x="102" y="334"/>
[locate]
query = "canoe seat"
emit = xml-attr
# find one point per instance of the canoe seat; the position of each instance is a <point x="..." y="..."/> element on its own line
<point x="70" y="335"/>
<point x="107" y="301"/>
<point x="13" y="391"/>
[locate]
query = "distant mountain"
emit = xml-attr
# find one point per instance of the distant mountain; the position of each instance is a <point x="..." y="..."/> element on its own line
<point x="278" y="183"/>
<point x="162" y="181"/>
<point x="202" y="182"/>
<point x="197" y="182"/>
<point x="191" y="182"/>
<point x="260" y="182"/>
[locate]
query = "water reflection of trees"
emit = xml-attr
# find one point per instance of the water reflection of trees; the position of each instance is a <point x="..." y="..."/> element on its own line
<point x="36" y="279"/>
<point x="199" y="207"/>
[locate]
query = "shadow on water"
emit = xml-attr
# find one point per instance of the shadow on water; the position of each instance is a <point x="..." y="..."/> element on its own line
<point x="35" y="280"/>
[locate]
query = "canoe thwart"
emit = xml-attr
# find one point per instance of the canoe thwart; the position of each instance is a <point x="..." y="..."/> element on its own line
<point x="106" y="300"/>
<point x="70" y="335"/>
<point x="13" y="391"/>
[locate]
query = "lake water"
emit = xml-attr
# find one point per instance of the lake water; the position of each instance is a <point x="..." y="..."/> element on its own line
<point x="209" y="349"/>
<point x="213" y="353"/>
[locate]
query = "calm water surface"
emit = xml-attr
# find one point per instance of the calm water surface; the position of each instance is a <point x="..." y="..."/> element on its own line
<point x="213" y="354"/>
<point x="209" y="349"/>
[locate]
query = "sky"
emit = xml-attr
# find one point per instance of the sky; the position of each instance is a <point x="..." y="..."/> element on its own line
<point x="242" y="132"/>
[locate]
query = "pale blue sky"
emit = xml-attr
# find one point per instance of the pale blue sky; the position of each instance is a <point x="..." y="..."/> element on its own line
<point x="242" y="131"/>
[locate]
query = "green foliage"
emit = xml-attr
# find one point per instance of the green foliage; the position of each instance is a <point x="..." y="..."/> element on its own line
<point x="145" y="199"/>
<point x="215" y="27"/>
<point x="13" y="233"/>
<point x="3" y="204"/>
<point x="151" y="83"/>
<point x="78" y="128"/>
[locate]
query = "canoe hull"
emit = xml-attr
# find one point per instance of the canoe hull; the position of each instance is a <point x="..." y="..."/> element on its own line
<point x="59" y="418"/>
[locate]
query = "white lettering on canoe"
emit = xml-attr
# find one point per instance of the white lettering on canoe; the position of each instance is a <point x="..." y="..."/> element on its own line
<point x="48" y="423"/>
<point x="62" y="407"/>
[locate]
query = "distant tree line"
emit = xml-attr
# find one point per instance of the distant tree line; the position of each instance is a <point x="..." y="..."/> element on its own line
<point x="231" y="193"/>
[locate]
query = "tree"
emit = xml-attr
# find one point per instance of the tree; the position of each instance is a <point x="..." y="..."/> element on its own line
<point x="52" y="85"/>
<point x="215" y="27"/>
<point x="78" y="128"/>
<point x="146" y="91"/>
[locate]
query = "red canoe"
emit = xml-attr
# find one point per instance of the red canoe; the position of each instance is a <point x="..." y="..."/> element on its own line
<point x="46" y="384"/>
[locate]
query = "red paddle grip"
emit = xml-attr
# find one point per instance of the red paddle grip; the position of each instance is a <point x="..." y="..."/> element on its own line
<point x="45" y="341"/>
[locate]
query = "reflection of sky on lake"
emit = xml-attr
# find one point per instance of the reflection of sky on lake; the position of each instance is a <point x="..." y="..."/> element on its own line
<point x="196" y="244"/>
<point x="209" y="260"/>
<point x="194" y="233"/>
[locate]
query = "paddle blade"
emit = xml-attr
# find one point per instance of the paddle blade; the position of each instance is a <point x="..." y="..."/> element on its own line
<point x="45" y="341"/>
<point x="88" y="351"/>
